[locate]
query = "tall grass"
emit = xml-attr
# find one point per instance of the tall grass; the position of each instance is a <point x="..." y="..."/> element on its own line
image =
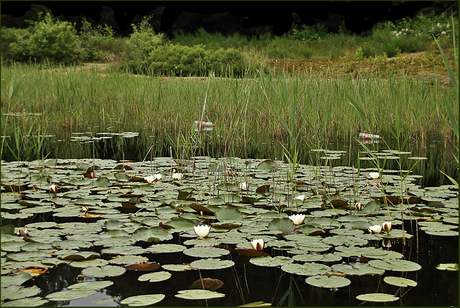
<point x="71" y="100"/>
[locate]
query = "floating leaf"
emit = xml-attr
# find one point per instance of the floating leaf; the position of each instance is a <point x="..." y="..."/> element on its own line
<point x="13" y="292"/>
<point x="377" y="297"/>
<point x="104" y="271"/>
<point x="229" y="213"/>
<point x="306" y="269"/>
<point x="155" y="277"/>
<point x="281" y="224"/>
<point x="400" y="282"/>
<point x="70" y="295"/>
<point x="447" y="266"/>
<point x="328" y="282"/>
<point x="178" y="267"/>
<point x="206" y="252"/>
<point x="25" y="302"/>
<point x="211" y="264"/>
<point x="143" y="300"/>
<point x="144" y="266"/>
<point x="271" y="261"/>
<point x="395" y="265"/>
<point x="165" y="248"/>
<point x="16" y="279"/>
<point x="207" y="283"/>
<point x="198" y="294"/>
<point x="267" y="165"/>
<point x="357" y="269"/>
<point x="91" y="285"/>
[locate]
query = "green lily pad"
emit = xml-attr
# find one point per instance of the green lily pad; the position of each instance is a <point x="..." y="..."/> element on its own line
<point x="267" y="165"/>
<point x="13" y="292"/>
<point x="327" y="282"/>
<point x="195" y="294"/>
<point x="155" y="277"/>
<point x="104" y="271"/>
<point x="16" y="279"/>
<point x="89" y="263"/>
<point x="70" y="295"/>
<point x="143" y="300"/>
<point x="271" y="261"/>
<point x="395" y="265"/>
<point x="211" y="264"/>
<point x="400" y="282"/>
<point x="177" y="267"/>
<point x="91" y="285"/>
<point x="26" y="302"/>
<point x="229" y="214"/>
<point x="165" y="248"/>
<point x="122" y="260"/>
<point x="377" y="297"/>
<point x="447" y="266"/>
<point x="306" y="269"/>
<point x="357" y="268"/>
<point x="281" y="224"/>
<point x="206" y="252"/>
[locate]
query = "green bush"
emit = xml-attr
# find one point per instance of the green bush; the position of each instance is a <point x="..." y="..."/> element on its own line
<point x="12" y="35"/>
<point x="228" y="61"/>
<point x="140" y="44"/>
<point x="177" y="60"/>
<point x="97" y="43"/>
<point x="309" y="33"/>
<point x="50" y="39"/>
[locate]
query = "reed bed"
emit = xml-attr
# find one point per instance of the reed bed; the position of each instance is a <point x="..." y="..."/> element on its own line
<point x="247" y="111"/>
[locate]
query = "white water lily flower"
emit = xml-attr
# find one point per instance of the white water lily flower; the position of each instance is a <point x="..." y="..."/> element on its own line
<point x="374" y="175"/>
<point x="375" y="229"/>
<point x="53" y="189"/>
<point x="387" y="226"/>
<point x="244" y="186"/>
<point x="300" y="197"/>
<point x="177" y="176"/>
<point x="151" y="178"/>
<point x="297" y="219"/>
<point x="258" y="244"/>
<point x="202" y="230"/>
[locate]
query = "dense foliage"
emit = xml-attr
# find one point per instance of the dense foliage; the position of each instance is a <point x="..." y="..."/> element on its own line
<point x="202" y="53"/>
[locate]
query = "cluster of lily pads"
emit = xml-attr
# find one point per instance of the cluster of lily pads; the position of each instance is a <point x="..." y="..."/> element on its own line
<point x="98" y="215"/>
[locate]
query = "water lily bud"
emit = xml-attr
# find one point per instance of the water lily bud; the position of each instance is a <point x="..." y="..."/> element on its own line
<point x="149" y="179"/>
<point x="374" y="175"/>
<point x="53" y="189"/>
<point x="300" y="197"/>
<point x="375" y="229"/>
<point x="243" y="186"/>
<point x="358" y="206"/>
<point x="202" y="230"/>
<point x="297" y="219"/>
<point x="258" y="244"/>
<point x="177" y="176"/>
<point x="387" y="226"/>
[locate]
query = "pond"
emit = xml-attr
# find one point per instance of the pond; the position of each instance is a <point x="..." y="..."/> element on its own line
<point x="102" y="232"/>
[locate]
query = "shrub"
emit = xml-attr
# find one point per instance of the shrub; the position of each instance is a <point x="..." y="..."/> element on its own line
<point x="177" y="60"/>
<point x="50" y="39"/>
<point x="12" y="35"/>
<point x="231" y="60"/>
<point x="140" y="44"/>
<point x="309" y="33"/>
<point x="97" y="43"/>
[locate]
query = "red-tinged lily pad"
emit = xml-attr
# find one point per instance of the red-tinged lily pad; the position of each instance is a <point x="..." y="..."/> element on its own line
<point x="34" y="271"/>
<point x="207" y="284"/>
<point x="143" y="267"/>
<point x="251" y="252"/>
<point x="199" y="208"/>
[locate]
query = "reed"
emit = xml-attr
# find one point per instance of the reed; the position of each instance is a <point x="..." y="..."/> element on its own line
<point x="316" y="106"/>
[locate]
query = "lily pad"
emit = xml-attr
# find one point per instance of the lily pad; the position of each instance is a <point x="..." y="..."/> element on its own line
<point x="13" y="292"/>
<point x="306" y="269"/>
<point x="400" y="282"/>
<point x="206" y="252"/>
<point x="91" y="285"/>
<point x="212" y="264"/>
<point x="155" y="277"/>
<point x="377" y="297"/>
<point x="26" y="302"/>
<point x="195" y="294"/>
<point x="271" y="261"/>
<point x="143" y="300"/>
<point x="327" y="282"/>
<point x="447" y="266"/>
<point x="104" y="271"/>
<point x="395" y="265"/>
<point x="70" y="294"/>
